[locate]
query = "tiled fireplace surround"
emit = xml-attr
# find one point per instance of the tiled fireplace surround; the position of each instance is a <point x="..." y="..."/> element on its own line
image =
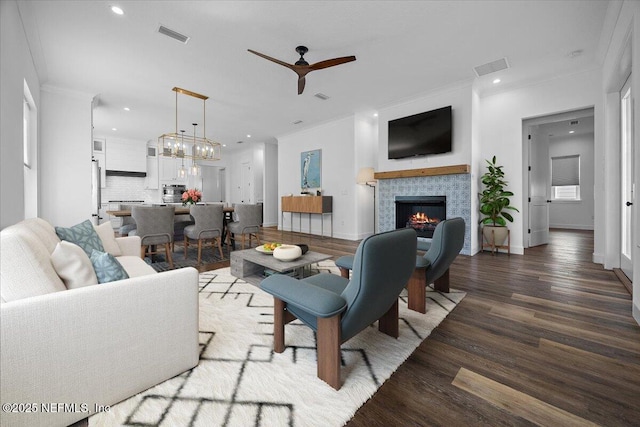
<point x="456" y="187"/>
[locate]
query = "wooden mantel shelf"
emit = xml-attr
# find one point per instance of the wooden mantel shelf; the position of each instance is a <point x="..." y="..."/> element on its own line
<point x="410" y="173"/>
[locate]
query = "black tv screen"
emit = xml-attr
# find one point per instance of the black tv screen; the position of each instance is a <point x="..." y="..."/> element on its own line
<point x="420" y="134"/>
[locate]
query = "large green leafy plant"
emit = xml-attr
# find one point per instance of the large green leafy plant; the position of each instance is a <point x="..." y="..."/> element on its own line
<point x="494" y="200"/>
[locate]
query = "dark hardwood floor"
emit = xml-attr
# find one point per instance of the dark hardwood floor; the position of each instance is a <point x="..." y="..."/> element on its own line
<point x="541" y="339"/>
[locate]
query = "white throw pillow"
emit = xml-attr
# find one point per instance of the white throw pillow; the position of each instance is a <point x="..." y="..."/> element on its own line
<point x="105" y="231"/>
<point x="73" y="265"/>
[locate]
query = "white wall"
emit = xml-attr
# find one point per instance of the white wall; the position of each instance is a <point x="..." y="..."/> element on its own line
<point x="270" y="184"/>
<point x="16" y="66"/>
<point x="574" y="214"/>
<point x="622" y="58"/>
<point x="460" y="100"/>
<point x="336" y="140"/>
<point x="365" y="150"/>
<point x="501" y="117"/>
<point x="65" y="151"/>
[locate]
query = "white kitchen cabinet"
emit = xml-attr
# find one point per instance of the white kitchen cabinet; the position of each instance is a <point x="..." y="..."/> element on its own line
<point x="128" y="156"/>
<point x="151" y="181"/>
<point x="169" y="171"/>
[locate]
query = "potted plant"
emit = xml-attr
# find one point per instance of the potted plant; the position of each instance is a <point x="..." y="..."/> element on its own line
<point x="494" y="202"/>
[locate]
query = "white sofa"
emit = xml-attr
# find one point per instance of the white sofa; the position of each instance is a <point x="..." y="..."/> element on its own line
<point x="94" y="345"/>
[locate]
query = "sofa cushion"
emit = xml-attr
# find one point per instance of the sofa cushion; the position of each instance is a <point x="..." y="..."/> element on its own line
<point x="108" y="239"/>
<point x="135" y="266"/>
<point x="107" y="268"/>
<point x="73" y="265"/>
<point x="25" y="258"/>
<point x="83" y="235"/>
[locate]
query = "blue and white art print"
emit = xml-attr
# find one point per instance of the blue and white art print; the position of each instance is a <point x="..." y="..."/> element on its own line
<point x="311" y="169"/>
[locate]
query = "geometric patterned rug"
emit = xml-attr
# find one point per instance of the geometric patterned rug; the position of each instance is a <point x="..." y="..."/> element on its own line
<point x="240" y="381"/>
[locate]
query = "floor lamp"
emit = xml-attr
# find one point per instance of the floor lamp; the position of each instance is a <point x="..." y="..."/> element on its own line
<point x="366" y="177"/>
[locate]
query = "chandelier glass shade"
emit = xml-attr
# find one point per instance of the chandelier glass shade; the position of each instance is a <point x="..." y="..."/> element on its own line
<point x="190" y="146"/>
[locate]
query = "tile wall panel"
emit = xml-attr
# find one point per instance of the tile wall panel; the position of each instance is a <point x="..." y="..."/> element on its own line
<point x="457" y="189"/>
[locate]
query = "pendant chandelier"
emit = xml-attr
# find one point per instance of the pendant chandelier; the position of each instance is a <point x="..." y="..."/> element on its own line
<point x="194" y="147"/>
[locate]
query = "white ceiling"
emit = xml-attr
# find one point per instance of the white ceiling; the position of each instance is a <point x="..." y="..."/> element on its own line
<point x="404" y="49"/>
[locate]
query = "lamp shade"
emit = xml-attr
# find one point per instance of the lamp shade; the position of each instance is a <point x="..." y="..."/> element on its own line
<point x="365" y="175"/>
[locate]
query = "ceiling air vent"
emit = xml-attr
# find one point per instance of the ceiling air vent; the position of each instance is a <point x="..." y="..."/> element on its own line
<point x="321" y="96"/>
<point x="574" y="122"/>
<point x="297" y="122"/>
<point x="491" y="67"/>
<point x="173" y="34"/>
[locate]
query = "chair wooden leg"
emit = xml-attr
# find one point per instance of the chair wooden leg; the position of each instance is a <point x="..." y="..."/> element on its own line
<point x="143" y="251"/>
<point x="220" y="247"/>
<point x="199" y="251"/>
<point x="167" y="249"/>
<point x="243" y="240"/>
<point x="328" y="338"/>
<point x="186" y="244"/>
<point x="442" y="283"/>
<point x="257" y="239"/>
<point x="279" y="315"/>
<point x="344" y="272"/>
<point x="388" y="323"/>
<point x="280" y="318"/>
<point x="417" y="290"/>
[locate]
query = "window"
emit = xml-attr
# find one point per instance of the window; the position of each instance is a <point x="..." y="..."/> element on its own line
<point x="565" y="177"/>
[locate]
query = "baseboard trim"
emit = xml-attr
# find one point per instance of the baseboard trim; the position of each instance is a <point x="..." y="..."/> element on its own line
<point x="624" y="280"/>
<point x="572" y="226"/>
<point x="597" y="258"/>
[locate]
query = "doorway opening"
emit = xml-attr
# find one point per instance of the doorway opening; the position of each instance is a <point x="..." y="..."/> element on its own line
<point x="559" y="173"/>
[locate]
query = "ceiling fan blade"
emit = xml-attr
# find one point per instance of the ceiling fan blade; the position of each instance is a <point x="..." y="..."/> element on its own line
<point x="332" y="62"/>
<point x="277" y="61"/>
<point x="301" y="82"/>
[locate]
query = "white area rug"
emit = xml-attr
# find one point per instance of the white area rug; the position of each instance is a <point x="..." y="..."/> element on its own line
<point x="240" y="381"/>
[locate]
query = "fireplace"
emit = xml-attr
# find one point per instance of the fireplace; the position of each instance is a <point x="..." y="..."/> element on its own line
<point x="422" y="213"/>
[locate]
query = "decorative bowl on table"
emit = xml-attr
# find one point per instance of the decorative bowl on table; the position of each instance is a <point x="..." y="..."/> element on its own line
<point x="268" y="248"/>
<point x="287" y="252"/>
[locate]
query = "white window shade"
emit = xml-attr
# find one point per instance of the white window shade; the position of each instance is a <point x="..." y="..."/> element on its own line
<point x="565" y="170"/>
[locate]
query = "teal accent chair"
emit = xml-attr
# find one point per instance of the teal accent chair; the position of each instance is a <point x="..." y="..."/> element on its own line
<point x="337" y="308"/>
<point x="433" y="267"/>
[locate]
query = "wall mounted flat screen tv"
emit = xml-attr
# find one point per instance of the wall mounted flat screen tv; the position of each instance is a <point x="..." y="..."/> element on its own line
<point x="420" y="134"/>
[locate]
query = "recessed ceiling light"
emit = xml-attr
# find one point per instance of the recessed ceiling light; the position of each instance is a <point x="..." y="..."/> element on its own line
<point x="248" y="136"/>
<point x="496" y="81"/>
<point x="114" y="129"/>
<point x="117" y="10"/>
<point x="127" y="109"/>
<point x="572" y="131"/>
<point x="224" y="145"/>
<point x="375" y="114"/>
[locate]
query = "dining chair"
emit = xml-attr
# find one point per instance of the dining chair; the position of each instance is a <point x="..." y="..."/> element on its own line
<point x="180" y="222"/>
<point x="128" y="223"/>
<point x="207" y="227"/>
<point x="247" y="223"/>
<point x="155" y="227"/>
<point x="337" y="308"/>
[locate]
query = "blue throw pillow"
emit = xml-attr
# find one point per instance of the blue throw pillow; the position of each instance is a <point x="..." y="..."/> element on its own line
<point x="107" y="268"/>
<point x="83" y="235"/>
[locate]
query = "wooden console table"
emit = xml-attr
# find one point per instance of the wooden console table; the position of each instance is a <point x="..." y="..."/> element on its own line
<point x="322" y="205"/>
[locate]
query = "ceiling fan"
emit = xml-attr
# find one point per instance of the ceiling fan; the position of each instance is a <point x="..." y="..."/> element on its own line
<point x="302" y="67"/>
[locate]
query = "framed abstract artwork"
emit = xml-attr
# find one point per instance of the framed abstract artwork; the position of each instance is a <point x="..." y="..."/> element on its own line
<point x="311" y="169"/>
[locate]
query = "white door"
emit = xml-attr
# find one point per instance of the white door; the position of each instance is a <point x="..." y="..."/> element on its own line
<point x="539" y="188"/>
<point x="627" y="179"/>
<point x="245" y="184"/>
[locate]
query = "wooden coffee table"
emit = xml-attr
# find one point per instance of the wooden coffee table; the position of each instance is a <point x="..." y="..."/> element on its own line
<point x="249" y="264"/>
